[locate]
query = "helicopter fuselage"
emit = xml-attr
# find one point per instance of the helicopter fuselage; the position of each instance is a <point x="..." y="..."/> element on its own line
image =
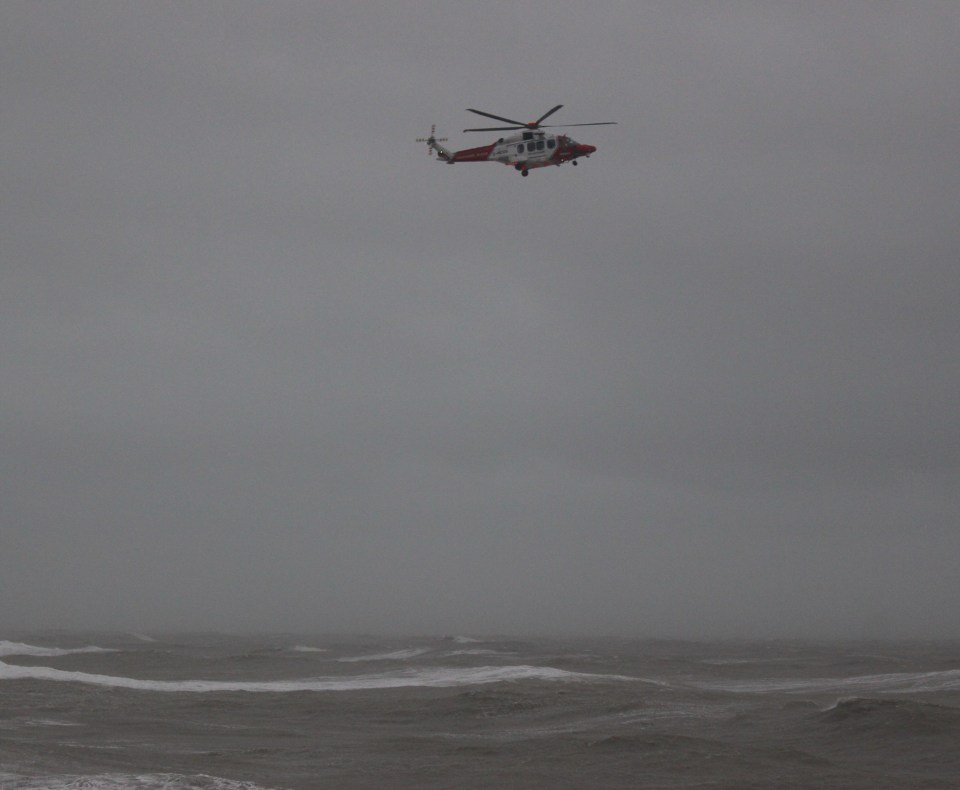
<point x="527" y="148"/>
<point x="523" y="151"/>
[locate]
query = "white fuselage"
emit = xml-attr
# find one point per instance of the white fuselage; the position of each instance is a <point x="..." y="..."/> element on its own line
<point x="530" y="148"/>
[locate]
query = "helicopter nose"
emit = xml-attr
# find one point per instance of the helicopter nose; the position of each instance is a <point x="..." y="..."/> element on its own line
<point x="586" y="150"/>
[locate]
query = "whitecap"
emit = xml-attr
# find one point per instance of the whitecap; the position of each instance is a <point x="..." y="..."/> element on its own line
<point x="49" y="723"/>
<point x="433" y="677"/>
<point x="891" y="683"/>
<point x="477" y="652"/>
<point x="21" y="649"/>
<point x="10" y="781"/>
<point x="308" y="649"/>
<point x="395" y="655"/>
<point x="15" y="724"/>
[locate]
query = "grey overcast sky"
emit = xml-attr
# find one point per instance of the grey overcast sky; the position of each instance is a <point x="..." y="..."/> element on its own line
<point x="266" y="365"/>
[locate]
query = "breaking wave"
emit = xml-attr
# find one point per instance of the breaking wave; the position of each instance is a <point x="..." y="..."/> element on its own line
<point x="21" y="649"/>
<point x="124" y="782"/>
<point x="395" y="655"/>
<point x="476" y="652"/>
<point x="891" y="683"/>
<point x="437" y="677"/>
<point x="902" y="716"/>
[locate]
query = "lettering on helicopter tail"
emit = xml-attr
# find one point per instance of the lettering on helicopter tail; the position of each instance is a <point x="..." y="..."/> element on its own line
<point x="481" y="154"/>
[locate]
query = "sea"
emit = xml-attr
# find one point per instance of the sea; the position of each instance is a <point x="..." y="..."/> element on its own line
<point x="236" y="712"/>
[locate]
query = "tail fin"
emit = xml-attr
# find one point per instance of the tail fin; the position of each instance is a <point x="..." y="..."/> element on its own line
<point x="433" y="144"/>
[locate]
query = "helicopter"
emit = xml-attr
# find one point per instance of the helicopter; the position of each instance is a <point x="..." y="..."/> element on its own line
<point x="531" y="148"/>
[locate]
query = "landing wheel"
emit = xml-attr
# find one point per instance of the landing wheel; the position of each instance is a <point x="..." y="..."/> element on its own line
<point x="574" y="163"/>
<point x="524" y="173"/>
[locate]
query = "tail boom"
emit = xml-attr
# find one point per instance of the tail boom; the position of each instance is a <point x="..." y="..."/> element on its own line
<point x="480" y="154"/>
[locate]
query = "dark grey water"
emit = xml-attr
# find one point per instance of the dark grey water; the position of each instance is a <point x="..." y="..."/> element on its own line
<point x="240" y="713"/>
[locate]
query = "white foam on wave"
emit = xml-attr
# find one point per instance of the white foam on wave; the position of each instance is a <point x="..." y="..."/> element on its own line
<point x="434" y="677"/>
<point x="476" y="652"/>
<point x="395" y="655"/>
<point x="21" y="649"/>
<point x="891" y="683"/>
<point x="49" y="723"/>
<point x="19" y="723"/>
<point x="308" y="649"/>
<point x="123" y="782"/>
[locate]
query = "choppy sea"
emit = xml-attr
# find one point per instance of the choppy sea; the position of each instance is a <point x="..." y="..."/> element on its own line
<point x="215" y="712"/>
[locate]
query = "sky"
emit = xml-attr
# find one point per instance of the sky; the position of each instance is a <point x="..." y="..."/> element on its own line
<point x="265" y="365"/>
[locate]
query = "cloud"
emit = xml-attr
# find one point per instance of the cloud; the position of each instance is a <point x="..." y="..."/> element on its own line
<point x="263" y="363"/>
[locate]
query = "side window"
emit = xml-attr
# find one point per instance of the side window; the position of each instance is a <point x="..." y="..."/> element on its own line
<point x="539" y="145"/>
<point x="520" y="148"/>
<point x="551" y="143"/>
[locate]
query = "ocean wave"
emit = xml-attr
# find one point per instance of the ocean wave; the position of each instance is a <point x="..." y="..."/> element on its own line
<point x="22" y="723"/>
<point x="890" y="683"/>
<point x="480" y="651"/>
<point x="124" y="782"/>
<point x="856" y="707"/>
<point x="436" y="677"/>
<point x="307" y="649"/>
<point x="395" y="655"/>
<point x="903" y="716"/>
<point x="21" y="649"/>
<point x="49" y="723"/>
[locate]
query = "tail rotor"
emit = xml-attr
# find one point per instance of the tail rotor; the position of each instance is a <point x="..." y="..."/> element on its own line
<point x="431" y="139"/>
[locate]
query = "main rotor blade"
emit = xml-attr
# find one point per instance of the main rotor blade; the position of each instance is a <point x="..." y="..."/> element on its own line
<point x="546" y="115"/>
<point x="498" y="117"/>
<point x="496" y="129"/>
<point x="599" y="123"/>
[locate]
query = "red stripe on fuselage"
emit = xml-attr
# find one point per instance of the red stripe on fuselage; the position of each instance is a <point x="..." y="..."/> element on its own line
<point x="481" y="154"/>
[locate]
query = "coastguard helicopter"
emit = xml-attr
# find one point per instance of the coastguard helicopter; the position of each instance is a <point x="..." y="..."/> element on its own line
<point x="523" y="152"/>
